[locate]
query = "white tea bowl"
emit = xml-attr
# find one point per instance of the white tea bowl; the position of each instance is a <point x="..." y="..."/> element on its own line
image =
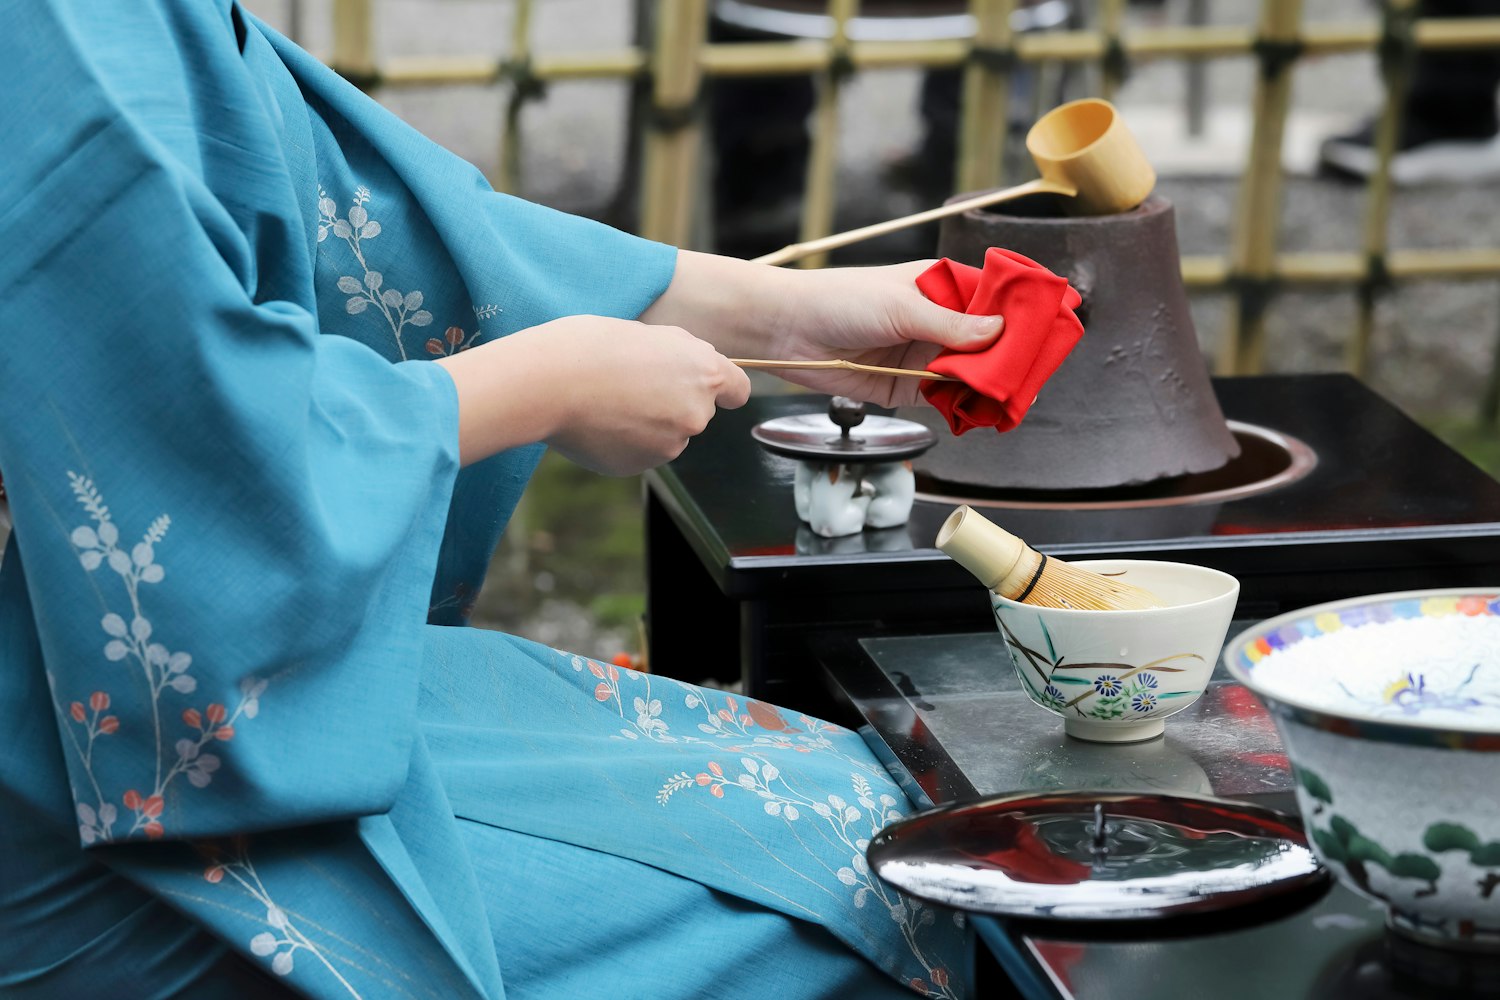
<point x="1115" y="676"/>
<point x="1389" y="708"/>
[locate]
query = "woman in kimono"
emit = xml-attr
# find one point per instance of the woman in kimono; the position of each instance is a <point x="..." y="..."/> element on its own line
<point x="250" y="750"/>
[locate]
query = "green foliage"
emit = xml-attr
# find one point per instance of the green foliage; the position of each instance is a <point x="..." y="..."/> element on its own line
<point x="1478" y="443"/>
<point x="1362" y="848"/>
<point x="1414" y="866"/>
<point x="1109" y="707"/>
<point x="1330" y="846"/>
<point x="1342" y="842"/>
<point x="583" y="536"/>
<point x="1449" y="837"/>
<point x="1314" y="785"/>
<point x="618" y="610"/>
<point x="1487" y="855"/>
<point x="1457" y="837"/>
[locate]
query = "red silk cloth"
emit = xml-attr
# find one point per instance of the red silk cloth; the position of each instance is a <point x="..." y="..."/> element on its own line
<point x="1000" y="383"/>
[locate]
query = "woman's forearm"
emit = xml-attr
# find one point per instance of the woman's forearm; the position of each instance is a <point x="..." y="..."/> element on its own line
<point x="614" y="395"/>
<point x="620" y="395"/>
<point x="510" y="393"/>
<point x="742" y="308"/>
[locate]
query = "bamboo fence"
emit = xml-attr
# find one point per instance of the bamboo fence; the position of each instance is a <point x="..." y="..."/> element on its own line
<point x="678" y="60"/>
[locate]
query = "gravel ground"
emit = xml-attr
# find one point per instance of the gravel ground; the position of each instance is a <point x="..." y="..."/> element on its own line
<point x="1435" y="341"/>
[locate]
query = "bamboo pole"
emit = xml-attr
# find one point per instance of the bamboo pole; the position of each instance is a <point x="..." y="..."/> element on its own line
<point x="439" y="71"/>
<point x="1258" y="215"/>
<point x="354" y="41"/>
<point x="986" y="99"/>
<point x="822" y="162"/>
<point x="1333" y="269"/>
<point x="1475" y="262"/>
<point x="738" y="59"/>
<point x="1112" y="66"/>
<point x="678" y="77"/>
<point x="521" y="84"/>
<point x="1489" y="403"/>
<point x="1457" y="33"/>
<point x="1195" y="74"/>
<point x="674" y="132"/>
<point x="800" y="58"/>
<point x="625" y="64"/>
<point x="296" y="16"/>
<point x="1398" y="58"/>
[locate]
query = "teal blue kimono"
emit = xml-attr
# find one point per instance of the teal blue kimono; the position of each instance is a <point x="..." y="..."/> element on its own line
<point x="251" y="747"/>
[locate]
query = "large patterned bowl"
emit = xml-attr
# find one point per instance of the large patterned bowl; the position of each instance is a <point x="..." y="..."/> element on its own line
<point x="1115" y="676"/>
<point x="1389" y="707"/>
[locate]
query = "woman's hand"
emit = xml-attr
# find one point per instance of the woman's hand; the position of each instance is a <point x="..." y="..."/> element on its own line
<point x="613" y="395"/>
<point x="873" y="315"/>
<point x="637" y="393"/>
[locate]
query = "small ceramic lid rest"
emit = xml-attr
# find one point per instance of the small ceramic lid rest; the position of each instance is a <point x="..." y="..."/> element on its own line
<point x="1096" y="856"/>
<point x="846" y="434"/>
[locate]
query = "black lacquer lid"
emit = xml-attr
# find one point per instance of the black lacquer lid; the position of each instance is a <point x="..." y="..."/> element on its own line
<point x="833" y="437"/>
<point x="1097" y="856"/>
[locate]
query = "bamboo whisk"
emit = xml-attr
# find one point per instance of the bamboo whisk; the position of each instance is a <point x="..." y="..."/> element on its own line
<point x="1013" y="569"/>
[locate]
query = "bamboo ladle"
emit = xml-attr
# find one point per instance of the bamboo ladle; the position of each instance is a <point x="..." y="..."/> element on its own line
<point x="1083" y="152"/>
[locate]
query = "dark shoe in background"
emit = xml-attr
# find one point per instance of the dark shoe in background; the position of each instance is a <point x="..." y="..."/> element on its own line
<point x="1451" y="123"/>
<point x="1425" y="155"/>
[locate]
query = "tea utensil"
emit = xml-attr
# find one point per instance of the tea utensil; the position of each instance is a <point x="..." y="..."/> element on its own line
<point x="1083" y="151"/>
<point x="853" y="366"/>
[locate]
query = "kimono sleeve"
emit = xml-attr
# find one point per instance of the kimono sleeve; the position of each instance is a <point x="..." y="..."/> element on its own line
<point x="228" y="522"/>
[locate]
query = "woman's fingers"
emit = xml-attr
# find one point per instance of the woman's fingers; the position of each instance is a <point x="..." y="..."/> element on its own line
<point x="934" y="324"/>
<point x="641" y="391"/>
<point x="734" y="390"/>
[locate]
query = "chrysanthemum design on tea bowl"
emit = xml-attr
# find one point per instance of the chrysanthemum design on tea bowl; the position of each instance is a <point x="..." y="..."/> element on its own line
<point x="1115" y="676"/>
<point x="1389" y="707"/>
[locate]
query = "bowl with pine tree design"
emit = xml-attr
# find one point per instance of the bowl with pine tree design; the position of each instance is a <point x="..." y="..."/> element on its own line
<point x="1389" y="709"/>
<point x="1116" y="676"/>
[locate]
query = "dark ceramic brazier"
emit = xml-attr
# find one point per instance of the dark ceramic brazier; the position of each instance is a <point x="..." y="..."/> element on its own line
<point x="1132" y="403"/>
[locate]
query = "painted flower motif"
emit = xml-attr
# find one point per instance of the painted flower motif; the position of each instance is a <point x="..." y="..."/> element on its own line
<point x="94" y="825"/>
<point x="1106" y="708"/>
<point x="1145" y="701"/>
<point x="398" y="309"/>
<point x="1146" y="681"/>
<point x="1411" y="695"/>
<point x="134" y="641"/>
<point x="284" y="938"/>
<point x="1107" y="684"/>
<point x="368" y="292"/>
<point x="648" y="716"/>
<point x="453" y="340"/>
<point x="763" y="738"/>
<point x="1403" y="692"/>
<point x="1053" y="696"/>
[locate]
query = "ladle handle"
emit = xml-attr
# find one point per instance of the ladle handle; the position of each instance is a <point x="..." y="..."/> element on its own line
<point x="797" y="251"/>
<point x="853" y="366"/>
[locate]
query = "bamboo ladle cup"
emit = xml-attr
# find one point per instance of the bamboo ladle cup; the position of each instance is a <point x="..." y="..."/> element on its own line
<point x="1083" y="152"/>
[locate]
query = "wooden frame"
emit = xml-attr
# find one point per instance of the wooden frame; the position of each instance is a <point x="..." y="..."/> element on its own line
<point x="679" y="60"/>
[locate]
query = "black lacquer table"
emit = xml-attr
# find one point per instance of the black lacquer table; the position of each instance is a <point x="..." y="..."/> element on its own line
<point x="882" y="630"/>
<point x="948" y="717"/>
<point x="736" y="586"/>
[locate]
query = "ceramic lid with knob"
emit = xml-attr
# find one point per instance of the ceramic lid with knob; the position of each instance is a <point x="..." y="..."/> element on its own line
<point x="1097" y="856"/>
<point x="844" y="434"/>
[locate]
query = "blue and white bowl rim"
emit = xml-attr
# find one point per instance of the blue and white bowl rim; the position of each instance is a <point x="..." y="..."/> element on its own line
<point x="1354" y="723"/>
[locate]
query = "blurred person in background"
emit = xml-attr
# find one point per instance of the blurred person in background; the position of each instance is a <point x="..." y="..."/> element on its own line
<point x="759" y="124"/>
<point x="1450" y="131"/>
<point x="277" y="370"/>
